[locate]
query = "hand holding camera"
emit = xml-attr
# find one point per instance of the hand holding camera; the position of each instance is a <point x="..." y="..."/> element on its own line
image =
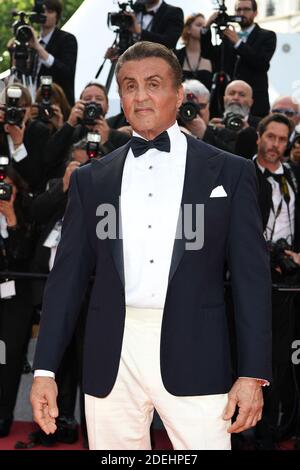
<point x="69" y="170"/>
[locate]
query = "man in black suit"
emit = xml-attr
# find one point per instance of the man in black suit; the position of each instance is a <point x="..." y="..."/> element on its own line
<point x="280" y="209"/>
<point x="156" y="331"/>
<point x="56" y="50"/>
<point x="247" y="54"/>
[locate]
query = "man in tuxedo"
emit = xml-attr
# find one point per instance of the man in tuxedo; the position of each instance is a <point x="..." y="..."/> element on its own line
<point x="247" y="54"/>
<point x="56" y="50"/>
<point x="280" y="209"/>
<point x="156" y="331"/>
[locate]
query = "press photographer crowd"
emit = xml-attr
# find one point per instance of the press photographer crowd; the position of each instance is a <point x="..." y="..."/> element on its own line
<point x="45" y="135"/>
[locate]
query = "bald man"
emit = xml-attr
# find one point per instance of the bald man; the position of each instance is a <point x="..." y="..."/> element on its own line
<point x="238" y="92"/>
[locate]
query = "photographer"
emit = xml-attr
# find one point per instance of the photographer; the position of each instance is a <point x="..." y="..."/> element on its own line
<point x="88" y="114"/>
<point x="16" y="234"/>
<point x="51" y="108"/>
<point x="280" y="209"/>
<point x="155" y="21"/>
<point x="56" y="50"/>
<point x="194" y="113"/>
<point x="247" y="53"/>
<point x="24" y="139"/>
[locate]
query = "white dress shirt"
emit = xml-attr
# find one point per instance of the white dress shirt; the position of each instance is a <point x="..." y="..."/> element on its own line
<point x="145" y="20"/>
<point x="151" y="194"/>
<point x="285" y="222"/>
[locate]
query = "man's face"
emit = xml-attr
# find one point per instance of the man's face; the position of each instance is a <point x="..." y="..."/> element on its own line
<point x="244" y="8"/>
<point x="238" y="93"/>
<point x="51" y="18"/>
<point x="203" y="103"/>
<point x="288" y="107"/>
<point x="272" y="143"/>
<point x="149" y="96"/>
<point x="94" y="93"/>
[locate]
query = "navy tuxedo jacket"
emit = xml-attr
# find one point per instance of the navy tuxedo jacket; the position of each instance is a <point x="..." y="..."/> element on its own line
<point x="195" y="357"/>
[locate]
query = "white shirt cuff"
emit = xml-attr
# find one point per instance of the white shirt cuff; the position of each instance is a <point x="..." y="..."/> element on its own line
<point x="19" y="153"/>
<point x="43" y="373"/>
<point x="49" y="62"/>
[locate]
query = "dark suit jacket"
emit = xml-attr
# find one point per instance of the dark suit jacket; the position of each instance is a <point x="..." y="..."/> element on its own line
<point x="63" y="47"/>
<point x="195" y="358"/>
<point x="250" y="62"/>
<point x="166" y="27"/>
<point x="265" y="199"/>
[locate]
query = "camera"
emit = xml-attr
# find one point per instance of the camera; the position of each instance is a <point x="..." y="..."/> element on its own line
<point x="45" y="108"/>
<point x="280" y="259"/>
<point x="93" y="148"/>
<point x="223" y="19"/>
<point x="189" y="111"/>
<point x="120" y="19"/>
<point x="92" y="112"/>
<point x="5" y="188"/>
<point x="21" y="28"/>
<point x="234" y="116"/>
<point x="14" y="114"/>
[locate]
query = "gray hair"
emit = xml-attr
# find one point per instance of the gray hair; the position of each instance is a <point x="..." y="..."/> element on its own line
<point x="197" y="88"/>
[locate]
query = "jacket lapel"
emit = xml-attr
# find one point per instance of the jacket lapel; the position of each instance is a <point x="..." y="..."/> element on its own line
<point x="107" y="181"/>
<point x="203" y="165"/>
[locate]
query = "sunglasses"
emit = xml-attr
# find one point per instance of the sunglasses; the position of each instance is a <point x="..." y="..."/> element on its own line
<point x="287" y="112"/>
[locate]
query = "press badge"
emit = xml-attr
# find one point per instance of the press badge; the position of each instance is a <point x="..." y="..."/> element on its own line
<point x="7" y="289"/>
<point x="54" y="236"/>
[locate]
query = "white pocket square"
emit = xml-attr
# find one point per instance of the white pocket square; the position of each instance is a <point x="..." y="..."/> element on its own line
<point x="219" y="191"/>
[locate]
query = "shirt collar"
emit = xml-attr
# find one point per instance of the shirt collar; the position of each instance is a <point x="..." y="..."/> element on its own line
<point x="47" y="38"/>
<point x="279" y="170"/>
<point x="174" y="133"/>
<point x="249" y="29"/>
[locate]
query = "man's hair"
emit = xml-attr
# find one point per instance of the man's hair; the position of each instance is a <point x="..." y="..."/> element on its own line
<point x="253" y="4"/>
<point x="97" y="84"/>
<point x="54" y="5"/>
<point x="144" y="50"/>
<point x="276" y="117"/>
<point x="196" y="88"/>
<point x="188" y="22"/>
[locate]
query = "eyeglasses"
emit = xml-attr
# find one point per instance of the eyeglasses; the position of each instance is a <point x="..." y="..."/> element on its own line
<point x="245" y="9"/>
<point x="287" y="111"/>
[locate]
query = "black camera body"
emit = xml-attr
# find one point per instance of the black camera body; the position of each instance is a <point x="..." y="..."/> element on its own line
<point x="14" y="114"/>
<point x="120" y="19"/>
<point x="234" y="116"/>
<point x="188" y="111"/>
<point x="280" y="259"/>
<point x="21" y="28"/>
<point x="5" y="188"/>
<point x="92" y="112"/>
<point x="223" y="19"/>
<point x="45" y="108"/>
<point x="233" y="122"/>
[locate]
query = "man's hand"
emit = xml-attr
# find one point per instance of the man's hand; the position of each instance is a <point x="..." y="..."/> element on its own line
<point x="197" y="126"/>
<point x="232" y="35"/>
<point x="135" y="28"/>
<point x="76" y="113"/>
<point x="211" y="19"/>
<point x="102" y="128"/>
<point x="16" y="133"/>
<point x="246" y="393"/>
<point x="216" y="123"/>
<point x="69" y="170"/>
<point x="43" y="400"/>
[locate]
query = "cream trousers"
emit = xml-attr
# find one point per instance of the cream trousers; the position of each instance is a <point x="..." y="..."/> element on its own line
<point x="121" y="420"/>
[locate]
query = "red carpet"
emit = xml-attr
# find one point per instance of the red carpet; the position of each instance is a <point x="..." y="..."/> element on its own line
<point x="21" y="429"/>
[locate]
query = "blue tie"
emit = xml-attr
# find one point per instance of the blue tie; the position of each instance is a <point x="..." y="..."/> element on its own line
<point x="140" y="146"/>
<point x="243" y="34"/>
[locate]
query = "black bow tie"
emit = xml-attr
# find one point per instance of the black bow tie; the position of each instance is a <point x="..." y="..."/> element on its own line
<point x="140" y="146"/>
